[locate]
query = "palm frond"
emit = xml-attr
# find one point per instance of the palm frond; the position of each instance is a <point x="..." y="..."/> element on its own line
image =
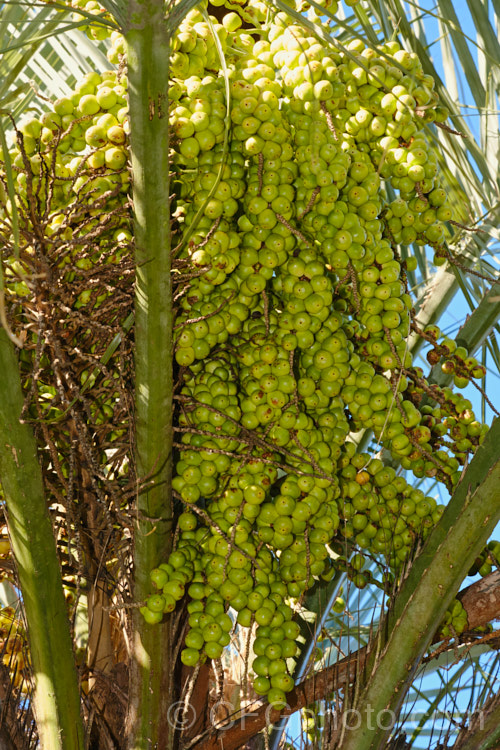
<point x="40" y="56"/>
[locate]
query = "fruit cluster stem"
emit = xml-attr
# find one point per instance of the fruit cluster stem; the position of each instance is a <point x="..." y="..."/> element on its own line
<point x="56" y="700"/>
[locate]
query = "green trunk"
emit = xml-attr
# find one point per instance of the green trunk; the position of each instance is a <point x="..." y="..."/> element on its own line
<point x="432" y="582"/>
<point x="148" y="59"/>
<point x="57" y="699"/>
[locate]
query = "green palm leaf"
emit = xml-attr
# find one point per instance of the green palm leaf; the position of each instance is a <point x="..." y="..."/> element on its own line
<point x="41" y="53"/>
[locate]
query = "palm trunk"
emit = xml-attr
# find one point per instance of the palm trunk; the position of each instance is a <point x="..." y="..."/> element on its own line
<point x="148" y="60"/>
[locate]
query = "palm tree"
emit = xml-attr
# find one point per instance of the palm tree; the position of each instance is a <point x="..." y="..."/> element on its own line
<point x="376" y="659"/>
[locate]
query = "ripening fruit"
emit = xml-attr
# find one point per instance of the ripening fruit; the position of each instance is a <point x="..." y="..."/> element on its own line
<point x="152" y="618"/>
<point x="158" y="577"/>
<point x="190" y="657"/>
<point x="339" y="605"/>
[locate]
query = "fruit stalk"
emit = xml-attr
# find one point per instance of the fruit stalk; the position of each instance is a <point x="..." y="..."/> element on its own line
<point x="148" y="61"/>
<point x="56" y="699"/>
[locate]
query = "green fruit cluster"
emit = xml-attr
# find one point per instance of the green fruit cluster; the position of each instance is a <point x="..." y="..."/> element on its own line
<point x="455" y="620"/>
<point x="75" y="154"/>
<point x="69" y="164"/>
<point x="489" y="557"/>
<point x="99" y="20"/>
<point x="312" y="722"/>
<point x="294" y="331"/>
<point x="69" y="283"/>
